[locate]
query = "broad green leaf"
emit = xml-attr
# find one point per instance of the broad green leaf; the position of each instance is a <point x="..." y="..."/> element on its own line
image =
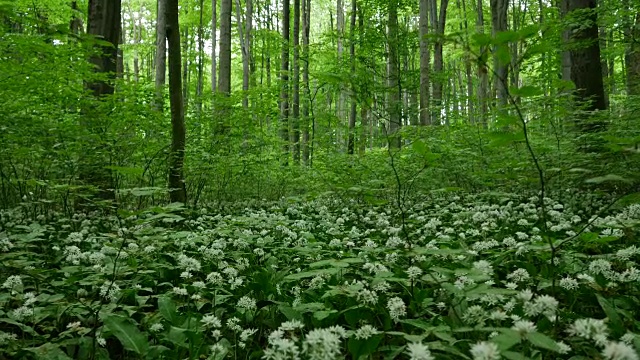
<point x="167" y="309"/>
<point x="607" y="178"/>
<point x="543" y="341"/>
<point x="526" y="91"/>
<point x="363" y="347"/>
<point x="512" y="355"/>
<point x="615" y="321"/>
<point x="506" y="339"/>
<point x="49" y="351"/>
<point x="130" y="337"/>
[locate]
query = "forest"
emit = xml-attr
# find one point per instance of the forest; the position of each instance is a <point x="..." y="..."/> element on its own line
<point x="320" y="179"/>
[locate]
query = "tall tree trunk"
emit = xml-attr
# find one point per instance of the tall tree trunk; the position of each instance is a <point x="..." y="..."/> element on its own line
<point x="483" y="72"/>
<point x="134" y="34"/>
<point x="296" y="82"/>
<point x="185" y="69"/>
<point x="284" y="78"/>
<point x="224" y="80"/>
<point x="104" y="22"/>
<point x="632" y="55"/>
<point x="353" y="111"/>
<point x="245" y="56"/>
<point x="584" y="54"/>
<point x="425" y="57"/>
<point x="200" y="82"/>
<point x="394" y="104"/>
<point x="75" y="25"/>
<point x="306" y="18"/>
<point x="499" y="22"/>
<point x="161" y="54"/>
<point x="177" y="188"/>
<point x="214" y="29"/>
<point x="438" y="21"/>
<point x="340" y="104"/>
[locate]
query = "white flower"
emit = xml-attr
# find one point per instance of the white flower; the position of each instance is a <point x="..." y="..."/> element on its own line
<point x="12" y="282"/>
<point x="590" y="329"/>
<point x="419" y="351"/>
<point x="519" y="275"/>
<point x="413" y="272"/>
<point x="524" y="327"/>
<point x="365" y="331"/>
<point x="245" y="334"/>
<point x="180" y="291"/>
<point x="619" y="351"/>
<point x="101" y="341"/>
<point x="211" y="320"/>
<point x="569" y="283"/>
<point x="484" y="267"/>
<point x="281" y="349"/>
<point x="247" y="303"/>
<point x="563" y="348"/>
<point x="322" y="344"/>
<point x="485" y="351"/>
<point x="74" y="325"/>
<point x="396" y="308"/>
<point x="157" y="327"/>
<point x="291" y="325"/>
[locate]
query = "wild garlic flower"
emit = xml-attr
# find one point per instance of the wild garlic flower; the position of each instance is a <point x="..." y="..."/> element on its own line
<point x="419" y="351"/>
<point x="247" y="303"/>
<point x="322" y="344"/>
<point x="396" y="308"/>
<point x="157" y="327"/>
<point x="365" y="331"/>
<point x="590" y="329"/>
<point x="619" y="351"/>
<point x="519" y="275"/>
<point x="485" y="351"/>
<point x="563" y="348"/>
<point x="291" y="325"/>
<point x="524" y="327"/>
<point x="569" y="283"/>
<point x="414" y="272"/>
<point x="281" y="349"/>
<point x="180" y="291"/>
<point x="211" y="321"/>
<point x="110" y="291"/>
<point x="484" y="267"/>
<point x="234" y="324"/>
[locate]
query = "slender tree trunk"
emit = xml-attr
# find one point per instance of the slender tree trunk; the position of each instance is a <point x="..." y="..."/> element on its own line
<point x="75" y="25"/>
<point x="200" y="82"/>
<point x="134" y="35"/>
<point x="284" y="77"/>
<point x="341" y="101"/>
<point x="632" y="55"/>
<point x="395" y="90"/>
<point x="214" y="29"/>
<point x="499" y="22"/>
<point x="483" y="72"/>
<point x="161" y="54"/>
<point x="306" y="18"/>
<point x="425" y="57"/>
<point x="296" y="82"/>
<point x="177" y="189"/>
<point x="224" y="80"/>
<point x="438" y="21"/>
<point x="245" y="56"/>
<point x="185" y="69"/>
<point x="353" y="111"/>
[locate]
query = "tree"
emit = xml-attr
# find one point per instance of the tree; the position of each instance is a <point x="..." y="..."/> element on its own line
<point x="438" y="21"/>
<point x="214" y="20"/>
<point x="177" y="188"/>
<point x="284" y="78"/>
<point x="161" y="54"/>
<point x="584" y="56"/>
<point x="393" y="77"/>
<point x="500" y="67"/>
<point x="425" y="118"/>
<point x="352" y="53"/>
<point x="296" y="82"/>
<point x="224" y="79"/>
<point x="306" y="18"/>
<point x="632" y="54"/>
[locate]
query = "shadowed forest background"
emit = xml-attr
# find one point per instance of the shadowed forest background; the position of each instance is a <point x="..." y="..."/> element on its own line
<point x="287" y="179"/>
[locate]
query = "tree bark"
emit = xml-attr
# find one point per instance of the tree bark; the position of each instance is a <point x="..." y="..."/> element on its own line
<point x="425" y="58"/>
<point x="483" y="72"/>
<point x="499" y="23"/>
<point x="353" y="111"/>
<point x="296" y="82"/>
<point x="224" y="80"/>
<point x="161" y="54"/>
<point x="214" y="28"/>
<point x="284" y="78"/>
<point x="438" y="21"/>
<point x="394" y="104"/>
<point x="177" y="189"/>
<point x="306" y="18"/>
<point x="632" y="56"/>
<point x="200" y="82"/>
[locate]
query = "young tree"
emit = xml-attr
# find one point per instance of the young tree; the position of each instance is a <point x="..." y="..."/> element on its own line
<point x="177" y="188"/>
<point x="393" y="77"/>
<point x="161" y="54"/>
<point x="214" y="21"/>
<point x="284" y="77"/>
<point x="499" y="24"/>
<point x="352" y="53"/>
<point x="306" y="18"/>
<point x="224" y="80"/>
<point x="425" y="118"/>
<point x="296" y="82"/>
<point x="438" y="21"/>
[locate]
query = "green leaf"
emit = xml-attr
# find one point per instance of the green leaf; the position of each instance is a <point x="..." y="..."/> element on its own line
<point x="615" y="321"/>
<point x="526" y="91"/>
<point x="130" y="337"/>
<point x="512" y="355"/>
<point x="168" y="309"/>
<point x="363" y="347"/>
<point x="543" y="341"/>
<point x="290" y="313"/>
<point x="507" y="339"/>
<point x="607" y="178"/>
<point x="49" y="351"/>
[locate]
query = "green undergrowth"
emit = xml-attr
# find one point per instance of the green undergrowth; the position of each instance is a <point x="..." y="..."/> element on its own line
<point x="447" y="276"/>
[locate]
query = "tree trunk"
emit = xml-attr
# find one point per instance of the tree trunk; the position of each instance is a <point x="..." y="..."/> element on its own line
<point x="395" y="90"/>
<point x="75" y="25"/>
<point x="483" y="72"/>
<point x="438" y="21"/>
<point x="584" y="55"/>
<point x="284" y="77"/>
<point x="104" y="22"/>
<point x="224" y="80"/>
<point x="425" y="57"/>
<point x="214" y="28"/>
<point x="499" y="22"/>
<point x="161" y="54"/>
<point x="353" y="111"/>
<point x="200" y="83"/>
<point x="296" y="82"/>
<point x="340" y="104"/>
<point x="177" y="189"/>
<point x="245" y="56"/>
<point x="632" y="56"/>
<point x="306" y="18"/>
